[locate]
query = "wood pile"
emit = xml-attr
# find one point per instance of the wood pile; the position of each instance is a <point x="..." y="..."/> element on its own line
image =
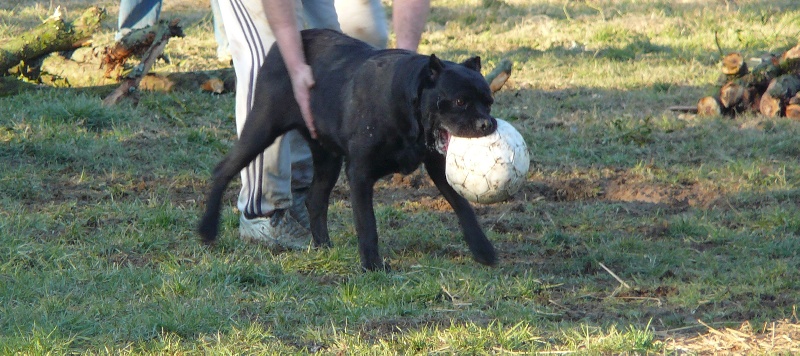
<point x="771" y="87"/>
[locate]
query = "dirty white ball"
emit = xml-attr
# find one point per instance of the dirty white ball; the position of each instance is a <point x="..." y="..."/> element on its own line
<point x="488" y="169"/>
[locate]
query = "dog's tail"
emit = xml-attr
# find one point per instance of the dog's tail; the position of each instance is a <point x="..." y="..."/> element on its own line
<point x="209" y="224"/>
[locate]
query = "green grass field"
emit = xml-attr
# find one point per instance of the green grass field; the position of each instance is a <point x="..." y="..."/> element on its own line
<point x="639" y="231"/>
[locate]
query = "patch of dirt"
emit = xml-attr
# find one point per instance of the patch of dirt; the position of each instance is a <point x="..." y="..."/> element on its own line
<point x="416" y="192"/>
<point x="122" y="188"/>
<point x="571" y="189"/>
<point x="622" y="188"/>
<point x="658" y="292"/>
<point x="126" y="259"/>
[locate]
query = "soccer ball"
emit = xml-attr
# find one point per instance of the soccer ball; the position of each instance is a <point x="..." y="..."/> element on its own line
<point x="488" y="169"/>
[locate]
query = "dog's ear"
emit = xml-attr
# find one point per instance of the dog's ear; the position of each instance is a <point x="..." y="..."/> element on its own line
<point x="435" y="66"/>
<point x="473" y="63"/>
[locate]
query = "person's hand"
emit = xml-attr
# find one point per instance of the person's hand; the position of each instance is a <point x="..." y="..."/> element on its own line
<point x="302" y="82"/>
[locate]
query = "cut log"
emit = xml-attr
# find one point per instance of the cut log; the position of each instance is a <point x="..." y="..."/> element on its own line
<point x="750" y="101"/>
<point x="731" y="94"/>
<point x="778" y="94"/>
<point x="795" y="100"/>
<point x="709" y="106"/>
<point x="733" y="64"/>
<point x="736" y="99"/>
<point x="791" y="60"/>
<point x="770" y="106"/>
<point x="793" y="111"/>
<point x="499" y="75"/>
<point x="793" y="52"/>
<point x="53" y="35"/>
<point x="784" y="87"/>
<point x="762" y="74"/>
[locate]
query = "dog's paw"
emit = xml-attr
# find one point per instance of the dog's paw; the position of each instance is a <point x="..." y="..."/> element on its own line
<point x="325" y="244"/>
<point x="379" y="266"/>
<point x="488" y="258"/>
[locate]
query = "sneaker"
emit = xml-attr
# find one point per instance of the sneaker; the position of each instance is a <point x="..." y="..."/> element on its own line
<point x="280" y="230"/>
<point x="298" y="210"/>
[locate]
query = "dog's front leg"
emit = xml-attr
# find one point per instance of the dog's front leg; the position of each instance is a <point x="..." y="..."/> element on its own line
<point x="361" y="193"/>
<point x="327" y="167"/>
<point x="481" y="248"/>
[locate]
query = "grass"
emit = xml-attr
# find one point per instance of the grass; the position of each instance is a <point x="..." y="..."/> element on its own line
<point x="698" y="216"/>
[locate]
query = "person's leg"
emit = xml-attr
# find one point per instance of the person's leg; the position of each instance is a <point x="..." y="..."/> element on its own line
<point x="223" y="53"/>
<point x="364" y="20"/>
<point x="315" y="14"/>
<point x="135" y="14"/>
<point x="408" y="20"/>
<point x="266" y="195"/>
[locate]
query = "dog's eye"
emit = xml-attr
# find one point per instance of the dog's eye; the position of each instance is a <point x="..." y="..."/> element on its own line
<point x="460" y="102"/>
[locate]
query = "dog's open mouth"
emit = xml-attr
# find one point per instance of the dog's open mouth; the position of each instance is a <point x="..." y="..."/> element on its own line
<point x="442" y="135"/>
<point x="442" y="140"/>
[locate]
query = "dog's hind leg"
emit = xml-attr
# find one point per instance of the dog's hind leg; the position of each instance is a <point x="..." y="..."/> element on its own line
<point x="481" y="248"/>
<point x="257" y="135"/>
<point x="327" y="167"/>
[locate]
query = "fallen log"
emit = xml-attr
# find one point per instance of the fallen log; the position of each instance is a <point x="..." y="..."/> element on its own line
<point x="216" y="81"/>
<point x="137" y="43"/>
<point x="158" y="39"/>
<point x="53" y="35"/>
<point x="80" y="68"/>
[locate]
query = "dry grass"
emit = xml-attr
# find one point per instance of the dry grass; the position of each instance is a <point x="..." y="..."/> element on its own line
<point x="778" y="337"/>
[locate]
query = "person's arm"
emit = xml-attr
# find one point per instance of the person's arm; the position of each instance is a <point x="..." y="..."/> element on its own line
<point x="408" y="18"/>
<point x="282" y="21"/>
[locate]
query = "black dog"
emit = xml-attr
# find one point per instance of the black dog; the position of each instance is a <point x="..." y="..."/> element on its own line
<point x="385" y="111"/>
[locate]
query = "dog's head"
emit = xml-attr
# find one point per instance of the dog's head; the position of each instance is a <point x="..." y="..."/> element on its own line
<point x="457" y="103"/>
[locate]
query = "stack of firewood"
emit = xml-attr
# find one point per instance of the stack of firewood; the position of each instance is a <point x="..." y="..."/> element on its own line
<point x="771" y="88"/>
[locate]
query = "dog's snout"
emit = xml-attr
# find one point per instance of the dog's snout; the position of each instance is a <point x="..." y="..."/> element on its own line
<point x="486" y="125"/>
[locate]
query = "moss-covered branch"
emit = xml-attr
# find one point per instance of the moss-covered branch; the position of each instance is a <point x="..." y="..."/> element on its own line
<point x="53" y="35"/>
